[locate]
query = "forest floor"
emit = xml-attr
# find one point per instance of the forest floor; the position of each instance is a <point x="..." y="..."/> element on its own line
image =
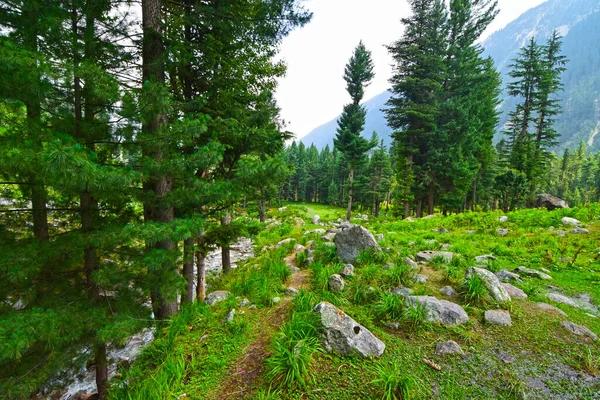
<point x="199" y="356"/>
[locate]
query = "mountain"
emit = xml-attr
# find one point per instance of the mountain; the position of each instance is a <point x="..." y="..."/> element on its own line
<point x="324" y="134"/>
<point x="579" y="22"/>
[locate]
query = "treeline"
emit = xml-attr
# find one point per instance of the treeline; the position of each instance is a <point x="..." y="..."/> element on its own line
<point x="444" y="115"/>
<point x="129" y="133"/>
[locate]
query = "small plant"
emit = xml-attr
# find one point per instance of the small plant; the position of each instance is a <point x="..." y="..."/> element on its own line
<point x="515" y="386"/>
<point x="301" y="259"/>
<point x="370" y="257"/>
<point x="291" y="362"/>
<point x="304" y="301"/>
<point x="389" y="306"/>
<point x="362" y="294"/>
<point x="400" y="274"/>
<point x="268" y="394"/>
<point x="532" y="289"/>
<point x="475" y="290"/>
<point x="438" y="261"/>
<point x="590" y="363"/>
<point x="415" y="314"/>
<point x="392" y="383"/>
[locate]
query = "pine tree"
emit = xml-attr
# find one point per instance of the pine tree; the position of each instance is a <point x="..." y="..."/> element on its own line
<point x="358" y="74"/>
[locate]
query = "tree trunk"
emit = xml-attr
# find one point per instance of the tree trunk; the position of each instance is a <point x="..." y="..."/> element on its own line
<point x="430" y="194"/>
<point x="350" y="188"/>
<point x="262" y="211"/>
<point x="419" y="208"/>
<point x="474" y="198"/>
<point x="225" y="250"/>
<point x="158" y="185"/>
<point x="188" y="270"/>
<point x="406" y="209"/>
<point x="101" y="370"/>
<point x="201" y="266"/>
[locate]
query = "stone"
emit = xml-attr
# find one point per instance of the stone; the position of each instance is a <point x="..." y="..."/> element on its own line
<point x="502" y="231"/>
<point x="276" y="300"/>
<point x="449" y="347"/>
<point x="534" y="273"/>
<point x="420" y="278"/>
<point x="290" y="291"/>
<point x="570" y="221"/>
<point x="284" y="242"/>
<point x="329" y="236"/>
<point x="440" y="311"/>
<point x="403" y="291"/>
<point x="429" y="216"/>
<point x="282" y="209"/>
<point x="293" y="269"/>
<point x="346" y="224"/>
<point x="506" y="358"/>
<point x="579" y="231"/>
<point x="392" y="325"/>
<point x="443" y="230"/>
<point x="507" y="276"/>
<point x="329" y="244"/>
<point x="560" y="232"/>
<point x="550" y="202"/>
<point x="503" y="219"/>
<point x="336" y="283"/>
<point x="316" y="219"/>
<point x="299" y="248"/>
<point x="579" y="330"/>
<point x="347" y="271"/>
<point x="244" y="303"/>
<point x="229" y="316"/>
<point x="483" y="260"/>
<point x="344" y="335"/>
<point x="252" y="307"/>
<point x="585" y="302"/>
<point x="317" y="231"/>
<point x="379" y="237"/>
<point x="428" y="255"/>
<point x="470" y="232"/>
<point x="562" y="299"/>
<point x="411" y="263"/>
<point x="498" y="317"/>
<point x="216" y="297"/>
<point x="491" y="282"/>
<point x="448" y="291"/>
<point x="514" y="292"/>
<point x="351" y="241"/>
<point x="551" y="308"/>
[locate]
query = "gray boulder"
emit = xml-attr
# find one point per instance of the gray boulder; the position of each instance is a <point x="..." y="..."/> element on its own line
<point x="507" y="276"/>
<point x="483" y="260"/>
<point x="562" y="299"/>
<point x="420" y="278"/>
<point x="317" y="231"/>
<point x="579" y="330"/>
<point x="336" y="283"/>
<point x="503" y="219"/>
<point x="514" y="292"/>
<point x="380" y="237"/>
<point x="284" y="242"/>
<point x="347" y="271"/>
<point x="550" y="308"/>
<point x="344" y="335"/>
<point x="290" y="291"/>
<point x="428" y="255"/>
<point x="329" y="236"/>
<point x="245" y="303"/>
<point x="532" y="272"/>
<point x="449" y="347"/>
<point x="351" y="241"/>
<point x="550" y="202"/>
<point x="560" y="232"/>
<point x="299" y="248"/>
<point x="216" y="297"/>
<point x="316" y="219"/>
<point x="492" y="283"/>
<point x="579" y="231"/>
<point x="448" y="291"/>
<point x="403" y="291"/>
<point x="498" y="317"/>
<point x="411" y="263"/>
<point x="440" y="311"/>
<point x="570" y="221"/>
<point x="229" y="316"/>
<point x="502" y="231"/>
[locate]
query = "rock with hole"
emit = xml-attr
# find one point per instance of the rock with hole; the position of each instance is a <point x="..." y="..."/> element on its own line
<point x="345" y="336"/>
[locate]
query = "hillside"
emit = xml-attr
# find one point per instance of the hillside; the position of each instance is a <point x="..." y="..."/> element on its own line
<point x="458" y="339"/>
<point x="579" y="22"/>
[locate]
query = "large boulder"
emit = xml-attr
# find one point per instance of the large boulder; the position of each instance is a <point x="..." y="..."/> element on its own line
<point x="428" y="255"/>
<point x="514" y="292"/>
<point x="498" y="317"/>
<point x="570" y="221"/>
<point x="352" y="240"/>
<point x="316" y="219"/>
<point x="533" y="272"/>
<point x="507" y="276"/>
<point x="491" y="282"/>
<point x="216" y="297"/>
<point x="344" y="335"/>
<point x="442" y="311"/>
<point x="550" y="202"/>
<point x="579" y="330"/>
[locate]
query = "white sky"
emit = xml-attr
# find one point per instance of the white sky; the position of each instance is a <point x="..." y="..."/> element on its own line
<point x="313" y="91"/>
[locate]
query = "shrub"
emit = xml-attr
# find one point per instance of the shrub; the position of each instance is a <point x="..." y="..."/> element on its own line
<point x="389" y="306"/>
<point x="391" y="382"/>
<point x="415" y="314"/>
<point x="400" y="274"/>
<point x="475" y="290"/>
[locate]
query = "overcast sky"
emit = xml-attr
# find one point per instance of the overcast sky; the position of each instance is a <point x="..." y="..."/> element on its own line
<point x="313" y="91"/>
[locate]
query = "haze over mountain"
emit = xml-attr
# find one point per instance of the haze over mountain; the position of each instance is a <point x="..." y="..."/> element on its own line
<point x="579" y="22"/>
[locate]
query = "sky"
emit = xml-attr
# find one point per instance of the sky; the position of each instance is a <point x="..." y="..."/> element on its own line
<point x="313" y="90"/>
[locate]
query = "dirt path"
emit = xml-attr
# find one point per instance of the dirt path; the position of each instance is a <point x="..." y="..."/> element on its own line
<point x="247" y="370"/>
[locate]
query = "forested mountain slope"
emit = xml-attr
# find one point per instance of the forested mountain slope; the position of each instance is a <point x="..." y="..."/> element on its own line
<point x="579" y="22"/>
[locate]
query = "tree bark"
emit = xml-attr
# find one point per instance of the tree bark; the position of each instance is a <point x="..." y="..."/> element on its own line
<point x="350" y="188"/>
<point x="200" y="258"/>
<point x="225" y="249"/>
<point x="419" y="208"/>
<point x="101" y="370"/>
<point x="188" y="270"/>
<point x="261" y="206"/>
<point x="430" y="197"/>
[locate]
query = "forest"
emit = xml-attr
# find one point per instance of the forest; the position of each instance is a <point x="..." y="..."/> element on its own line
<point x="140" y="139"/>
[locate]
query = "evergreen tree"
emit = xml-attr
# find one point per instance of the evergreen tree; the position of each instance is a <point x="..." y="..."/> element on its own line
<point x="358" y="74"/>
